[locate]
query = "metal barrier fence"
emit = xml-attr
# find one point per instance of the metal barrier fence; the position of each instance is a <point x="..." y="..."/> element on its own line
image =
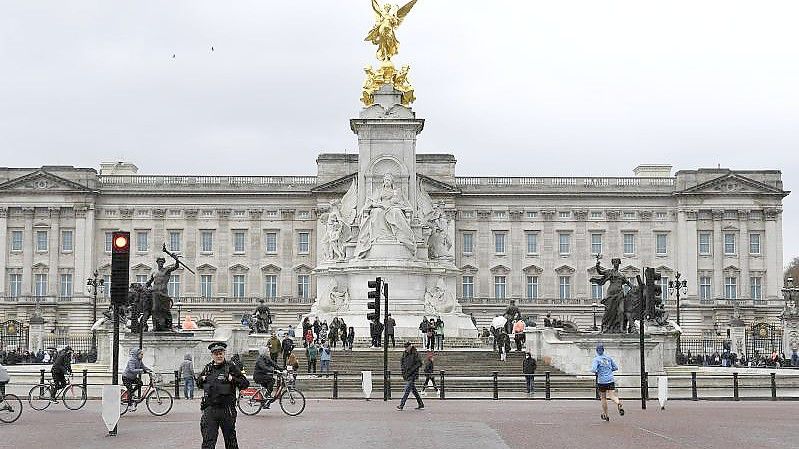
<point x="78" y="342"/>
<point x="734" y="385"/>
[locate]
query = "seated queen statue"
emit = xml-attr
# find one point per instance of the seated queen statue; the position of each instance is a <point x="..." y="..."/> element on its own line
<point x="383" y="218"/>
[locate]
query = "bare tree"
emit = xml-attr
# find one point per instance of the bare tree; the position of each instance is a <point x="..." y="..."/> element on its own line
<point x="792" y="271"/>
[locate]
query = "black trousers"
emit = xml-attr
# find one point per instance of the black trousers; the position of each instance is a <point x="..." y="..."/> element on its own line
<point x="215" y="418"/>
<point x="391" y="337"/>
<point x="133" y="386"/>
<point x="311" y="365"/>
<point x="60" y="381"/>
<point x="431" y="379"/>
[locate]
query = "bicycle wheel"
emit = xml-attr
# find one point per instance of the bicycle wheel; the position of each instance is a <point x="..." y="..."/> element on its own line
<point x="74" y="396"/>
<point x="39" y="397"/>
<point x="250" y="403"/>
<point x="159" y="402"/>
<point x="10" y="408"/>
<point x="292" y="402"/>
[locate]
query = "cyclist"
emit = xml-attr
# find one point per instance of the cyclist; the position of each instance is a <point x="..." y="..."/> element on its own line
<point x="130" y="377"/>
<point x="61" y="367"/>
<point x="264" y="373"/>
<point x="4" y="379"/>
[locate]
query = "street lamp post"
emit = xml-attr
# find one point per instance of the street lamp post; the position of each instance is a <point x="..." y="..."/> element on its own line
<point x="593" y="311"/>
<point x="179" y="304"/>
<point x="94" y="285"/>
<point x="676" y="287"/>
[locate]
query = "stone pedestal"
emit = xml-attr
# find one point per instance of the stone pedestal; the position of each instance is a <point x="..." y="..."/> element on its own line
<point x="738" y="340"/>
<point x="790" y="335"/>
<point x="36" y="333"/>
<point x="572" y="352"/>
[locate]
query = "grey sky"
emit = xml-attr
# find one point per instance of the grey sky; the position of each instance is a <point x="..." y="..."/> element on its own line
<point x="509" y="87"/>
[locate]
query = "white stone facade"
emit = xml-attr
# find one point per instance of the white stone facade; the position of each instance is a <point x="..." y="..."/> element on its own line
<point x="528" y="239"/>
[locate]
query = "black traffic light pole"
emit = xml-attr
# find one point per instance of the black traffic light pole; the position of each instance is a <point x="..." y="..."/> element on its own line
<point x="120" y="275"/>
<point x="641" y="307"/>
<point x="386" y="383"/>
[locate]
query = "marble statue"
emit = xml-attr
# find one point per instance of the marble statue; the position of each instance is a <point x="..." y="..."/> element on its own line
<point x="336" y="225"/>
<point x="337" y="299"/>
<point x="439" y="245"/>
<point x="438" y="299"/>
<point x="383" y="217"/>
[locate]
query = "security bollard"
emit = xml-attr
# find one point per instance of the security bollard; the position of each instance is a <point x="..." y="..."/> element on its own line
<point x="335" y="384"/>
<point x="388" y="385"/>
<point x="694" y="394"/>
<point x="85" y="380"/>
<point x="441" y="394"/>
<point x="773" y="387"/>
<point x="547" y="386"/>
<point x="735" y="386"/>
<point x="177" y="384"/>
<point x="646" y="385"/>
<point x="496" y="386"/>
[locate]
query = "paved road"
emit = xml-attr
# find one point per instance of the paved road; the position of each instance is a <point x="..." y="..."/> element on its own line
<point x="349" y="424"/>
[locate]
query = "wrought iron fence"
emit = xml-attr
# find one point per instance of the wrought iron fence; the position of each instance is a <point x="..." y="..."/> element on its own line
<point x="79" y="342"/>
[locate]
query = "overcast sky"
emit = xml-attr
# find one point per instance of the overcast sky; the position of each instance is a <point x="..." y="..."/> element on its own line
<point x="539" y="88"/>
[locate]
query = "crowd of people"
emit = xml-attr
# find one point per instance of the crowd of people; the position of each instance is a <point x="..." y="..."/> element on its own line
<point x="42" y="356"/>
<point x="320" y="333"/>
<point x="727" y="358"/>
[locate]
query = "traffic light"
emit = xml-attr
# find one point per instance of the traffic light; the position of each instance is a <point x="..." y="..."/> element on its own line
<point x="120" y="266"/>
<point x="374" y="293"/>
<point x="652" y="291"/>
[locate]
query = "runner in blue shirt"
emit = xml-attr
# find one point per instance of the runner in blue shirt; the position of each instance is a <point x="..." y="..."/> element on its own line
<point x="604" y="366"/>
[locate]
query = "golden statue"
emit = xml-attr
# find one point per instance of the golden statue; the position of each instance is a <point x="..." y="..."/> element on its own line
<point x="388" y="19"/>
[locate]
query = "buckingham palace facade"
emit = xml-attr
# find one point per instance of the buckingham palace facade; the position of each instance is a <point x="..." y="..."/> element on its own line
<point x="532" y="239"/>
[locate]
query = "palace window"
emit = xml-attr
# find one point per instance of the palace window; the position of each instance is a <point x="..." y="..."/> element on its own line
<point x="65" y="286"/>
<point x="629" y="242"/>
<point x="565" y="287"/>
<point x="729" y="243"/>
<point x="142" y="243"/>
<point x="661" y="244"/>
<point x="41" y="241"/>
<point x="207" y="241"/>
<point x="16" y="240"/>
<point x="206" y="285"/>
<point x="270" y="286"/>
<point x="468" y="286"/>
<point x="704" y="243"/>
<point x="67" y="241"/>
<point x="532" y="287"/>
<point x="238" y="285"/>
<point x="756" y="287"/>
<point x="596" y="292"/>
<point x="596" y="244"/>
<point x="271" y="242"/>
<point x="499" y="287"/>
<point x="532" y="243"/>
<point x="173" y="286"/>
<point x="564" y="243"/>
<point x="730" y="287"/>
<point x="303" y="242"/>
<point x="468" y="243"/>
<point x="15" y="285"/>
<point x="754" y="243"/>
<point x="109" y="236"/>
<point x="238" y="242"/>
<point x="705" y="287"/>
<point x="174" y="241"/>
<point x="303" y="285"/>
<point x="499" y="242"/>
<point x="39" y="285"/>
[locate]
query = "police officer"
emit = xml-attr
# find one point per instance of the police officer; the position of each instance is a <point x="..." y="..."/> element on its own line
<point x="219" y="380"/>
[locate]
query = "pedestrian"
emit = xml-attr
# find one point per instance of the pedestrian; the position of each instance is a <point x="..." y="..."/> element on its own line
<point x="351" y="337"/>
<point x="431" y="334"/>
<point x="312" y="352"/>
<point x="317" y="326"/>
<point x="429" y="372"/>
<point x="325" y="356"/>
<point x="390" y="323"/>
<point x="219" y="381"/>
<point x="130" y="377"/>
<point x="274" y="347"/>
<point x="503" y="344"/>
<point x="439" y="334"/>
<point x="603" y="365"/>
<point x="518" y="334"/>
<point x="424" y="326"/>
<point x="333" y="335"/>
<point x="528" y="369"/>
<point x="409" y="366"/>
<point x="308" y="338"/>
<point x="290" y="332"/>
<point x="287" y="346"/>
<point x="187" y="374"/>
<point x="548" y="320"/>
<point x="293" y="363"/>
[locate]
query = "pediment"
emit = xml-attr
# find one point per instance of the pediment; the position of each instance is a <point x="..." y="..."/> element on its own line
<point x="564" y="269"/>
<point x="39" y="266"/>
<point x="630" y="269"/>
<point x="433" y="186"/>
<point x="534" y="269"/>
<point x="270" y="268"/>
<point x="468" y="268"/>
<point x="141" y="267"/>
<point x="663" y="269"/>
<point x="106" y="266"/>
<point x="302" y="268"/>
<point x="731" y="268"/>
<point x="500" y="269"/>
<point x="339" y="185"/>
<point x="206" y="267"/>
<point x="733" y="184"/>
<point x="239" y="267"/>
<point x="41" y="181"/>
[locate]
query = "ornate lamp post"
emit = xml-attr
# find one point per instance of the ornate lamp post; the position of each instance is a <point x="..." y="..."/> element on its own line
<point x="593" y="311"/>
<point x="675" y="288"/>
<point x="179" y="304"/>
<point x="94" y="285"/>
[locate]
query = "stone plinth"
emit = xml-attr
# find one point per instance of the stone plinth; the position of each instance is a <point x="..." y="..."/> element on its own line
<point x="572" y="352"/>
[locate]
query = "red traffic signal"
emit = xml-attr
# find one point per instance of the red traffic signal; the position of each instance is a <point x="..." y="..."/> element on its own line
<point x="120" y="242"/>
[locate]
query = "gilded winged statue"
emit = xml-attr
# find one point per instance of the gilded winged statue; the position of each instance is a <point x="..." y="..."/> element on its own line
<point x="388" y="19"/>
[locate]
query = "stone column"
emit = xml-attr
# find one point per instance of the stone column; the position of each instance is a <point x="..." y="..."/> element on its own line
<point x="28" y="250"/>
<point x="718" y="254"/>
<point x="743" y="255"/>
<point x="773" y="254"/>
<point x="685" y="259"/>
<point x="3" y="249"/>
<point x="54" y="251"/>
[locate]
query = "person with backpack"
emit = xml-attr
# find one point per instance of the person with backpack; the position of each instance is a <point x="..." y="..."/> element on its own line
<point x="219" y="381"/>
<point x="287" y="346"/>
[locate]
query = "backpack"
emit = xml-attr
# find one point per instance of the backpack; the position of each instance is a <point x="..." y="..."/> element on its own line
<point x="288" y="346"/>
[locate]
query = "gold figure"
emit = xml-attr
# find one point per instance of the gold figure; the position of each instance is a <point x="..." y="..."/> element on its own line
<point x="388" y="19"/>
<point x="387" y="74"/>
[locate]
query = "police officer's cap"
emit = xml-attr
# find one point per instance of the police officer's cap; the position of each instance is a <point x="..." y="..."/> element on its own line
<point x="217" y="345"/>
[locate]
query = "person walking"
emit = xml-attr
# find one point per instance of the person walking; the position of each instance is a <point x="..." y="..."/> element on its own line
<point x="518" y="334"/>
<point x="409" y="366"/>
<point x="325" y="356"/>
<point x="528" y="369"/>
<point x="390" y="323"/>
<point x="187" y="374"/>
<point x="312" y="353"/>
<point x="286" y="347"/>
<point x="603" y="366"/>
<point x="274" y="347"/>
<point x="429" y="373"/>
<point x="351" y="337"/>
<point x="219" y="381"/>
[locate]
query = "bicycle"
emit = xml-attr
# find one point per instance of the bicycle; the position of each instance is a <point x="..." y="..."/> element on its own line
<point x="10" y="408"/>
<point x="292" y="401"/>
<point x="158" y="400"/>
<point x="42" y="395"/>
